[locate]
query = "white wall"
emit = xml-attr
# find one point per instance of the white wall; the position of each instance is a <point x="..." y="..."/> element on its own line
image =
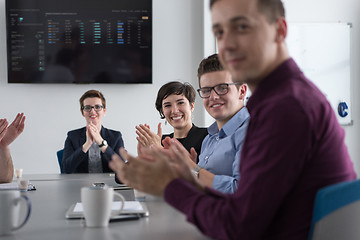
<point x="53" y="110"/>
<point x="337" y="11"/>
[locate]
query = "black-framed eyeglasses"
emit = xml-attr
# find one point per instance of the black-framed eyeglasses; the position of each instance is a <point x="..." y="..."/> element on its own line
<point x="220" y="89"/>
<point x="88" y="108"/>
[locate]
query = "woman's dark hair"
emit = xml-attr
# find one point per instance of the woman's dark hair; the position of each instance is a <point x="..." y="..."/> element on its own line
<point x="174" y="87"/>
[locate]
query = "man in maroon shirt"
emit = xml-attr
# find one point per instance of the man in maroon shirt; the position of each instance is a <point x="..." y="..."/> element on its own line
<point x="294" y="145"/>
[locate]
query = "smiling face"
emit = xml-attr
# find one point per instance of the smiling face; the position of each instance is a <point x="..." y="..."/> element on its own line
<point x="250" y="47"/>
<point x="222" y="107"/>
<point x="93" y="116"/>
<point x="177" y="110"/>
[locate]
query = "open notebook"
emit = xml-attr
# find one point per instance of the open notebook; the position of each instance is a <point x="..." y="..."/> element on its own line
<point x="132" y="209"/>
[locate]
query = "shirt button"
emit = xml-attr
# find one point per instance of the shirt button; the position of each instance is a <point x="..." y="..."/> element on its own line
<point x="206" y="157"/>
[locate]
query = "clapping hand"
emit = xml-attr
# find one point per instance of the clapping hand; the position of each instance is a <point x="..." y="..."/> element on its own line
<point x="154" y="168"/>
<point x="95" y="133"/>
<point x="9" y="133"/>
<point x="146" y="137"/>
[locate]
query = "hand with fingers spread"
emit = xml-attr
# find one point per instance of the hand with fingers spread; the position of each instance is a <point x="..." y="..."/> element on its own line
<point x="146" y="137"/>
<point x="7" y="135"/>
<point x="11" y="132"/>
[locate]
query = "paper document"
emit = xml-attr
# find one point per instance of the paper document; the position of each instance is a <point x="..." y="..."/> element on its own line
<point x="9" y="186"/>
<point x="15" y="186"/>
<point x="129" y="206"/>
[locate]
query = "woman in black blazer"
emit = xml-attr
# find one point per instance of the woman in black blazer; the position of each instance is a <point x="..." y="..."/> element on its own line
<point x="89" y="149"/>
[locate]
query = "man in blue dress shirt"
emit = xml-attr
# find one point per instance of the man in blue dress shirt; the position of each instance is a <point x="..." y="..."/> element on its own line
<point x="223" y="99"/>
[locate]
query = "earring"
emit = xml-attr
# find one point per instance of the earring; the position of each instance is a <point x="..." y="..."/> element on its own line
<point x="165" y="122"/>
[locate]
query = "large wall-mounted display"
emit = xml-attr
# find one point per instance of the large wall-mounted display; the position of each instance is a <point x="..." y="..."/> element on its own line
<point x="79" y="41"/>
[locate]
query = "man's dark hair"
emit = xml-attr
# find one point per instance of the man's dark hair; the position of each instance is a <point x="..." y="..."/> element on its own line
<point x="209" y="64"/>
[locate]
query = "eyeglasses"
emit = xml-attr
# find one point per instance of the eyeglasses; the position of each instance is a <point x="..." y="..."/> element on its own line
<point x="88" y="108"/>
<point x="220" y="89"/>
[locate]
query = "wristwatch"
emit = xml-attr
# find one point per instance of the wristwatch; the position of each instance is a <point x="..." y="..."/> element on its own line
<point x="196" y="170"/>
<point x="103" y="143"/>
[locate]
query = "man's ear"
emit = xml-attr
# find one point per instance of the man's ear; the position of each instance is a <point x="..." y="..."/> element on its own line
<point x="242" y="91"/>
<point x="281" y="30"/>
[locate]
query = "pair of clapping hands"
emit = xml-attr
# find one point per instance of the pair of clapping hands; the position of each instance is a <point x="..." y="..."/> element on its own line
<point x="146" y="138"/>
<point x="155" y="166"/>
<point x="8" y="133"/>
<point x="93" y="135"/>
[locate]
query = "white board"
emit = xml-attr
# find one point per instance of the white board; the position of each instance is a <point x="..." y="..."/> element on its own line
<point x="322" y="50"/>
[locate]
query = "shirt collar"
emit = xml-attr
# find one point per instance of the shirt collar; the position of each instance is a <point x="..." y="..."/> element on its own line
<point x="230" y="127"/>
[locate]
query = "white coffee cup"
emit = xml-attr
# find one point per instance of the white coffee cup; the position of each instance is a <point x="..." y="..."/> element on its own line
<point x="10" y="210"/>
<point x="97" y="203"/>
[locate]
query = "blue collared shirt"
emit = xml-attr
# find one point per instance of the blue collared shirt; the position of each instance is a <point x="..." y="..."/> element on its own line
<point x="220" y="151"/>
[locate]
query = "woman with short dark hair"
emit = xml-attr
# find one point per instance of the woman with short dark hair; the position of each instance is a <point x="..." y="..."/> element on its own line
<point x="175" y="103"/>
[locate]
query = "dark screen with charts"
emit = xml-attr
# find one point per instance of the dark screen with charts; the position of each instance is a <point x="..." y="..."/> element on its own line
<point x="79" y="41"/>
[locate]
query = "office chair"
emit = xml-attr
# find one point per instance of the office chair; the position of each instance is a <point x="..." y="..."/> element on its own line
<point x="337" y="212"/>
<point x="60" y="157"/>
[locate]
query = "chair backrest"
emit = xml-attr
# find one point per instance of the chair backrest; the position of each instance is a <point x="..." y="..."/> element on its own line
<point x="337" y="212"/>
<point x="60" y="157"/>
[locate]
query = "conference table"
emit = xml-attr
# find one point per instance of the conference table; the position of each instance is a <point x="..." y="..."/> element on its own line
<point x="55" y="193"/>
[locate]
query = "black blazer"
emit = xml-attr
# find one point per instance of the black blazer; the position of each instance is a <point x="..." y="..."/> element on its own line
<point x="76" y="161"/>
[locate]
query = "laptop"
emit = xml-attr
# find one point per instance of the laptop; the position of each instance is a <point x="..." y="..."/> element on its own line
<point x="131" y="210"/>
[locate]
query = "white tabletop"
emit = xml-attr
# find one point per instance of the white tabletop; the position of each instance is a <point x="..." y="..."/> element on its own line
<point x="56" y="192"/>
